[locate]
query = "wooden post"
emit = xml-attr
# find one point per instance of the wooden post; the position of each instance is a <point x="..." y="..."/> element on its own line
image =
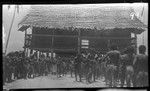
<point x="27" y="52"/>
<point x="136" y="43"/>
<point x="79" y="41"/>
<point x="52" y="44"/>
<point x="25" y="40"/>
<point x="108" y="45"/>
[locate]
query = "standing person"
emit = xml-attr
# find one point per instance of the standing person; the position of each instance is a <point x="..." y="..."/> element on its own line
<point x="54" y="66"/>
<point x="5" y="69"/>
<point x="113" y="58"/>
<point x="97" y="66"/>
<point x="15" y="67"/>
<point x="43" y="64"/>
<point x="4" y="63"/>
<point x="102" y="68"/>
<point x="59" y="73"/>
<point x="50" y="65"/>
<point x="127" y="66"/>
<point x="36" y="66"/>
<point x="63" y="66"/>
<point x="88" y="68"/>
<point x="18" y="68"/>
<point x="31" y="67"/>
<point x="141" y="68"/>
<point x="91" y="68"/>
<point x="47" y="65"/>
<point x="71" y="66"/>
<point x="77" y="67"/>
<point x="122" y="71"/>
<point x="40" y="62"/>
<point x="8" y="70"/>
<point x="24" y="68"/>
<point x="94" y="68"/>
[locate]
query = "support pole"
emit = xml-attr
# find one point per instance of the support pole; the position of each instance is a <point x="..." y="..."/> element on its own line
<point x="52" y="45"/>
<point x="79" y="41"/>
<point x="108" y="45"/>
<point x="136" y="43"/>
<point x="25" y="40"/>
<point x="27" y="52"/>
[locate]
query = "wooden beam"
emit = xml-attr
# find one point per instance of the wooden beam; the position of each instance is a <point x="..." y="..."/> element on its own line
<point x="82" y="37"/>
<point x="53" y="35"/>
<point x="107" y="38"/>
<point x="54" y="49"/>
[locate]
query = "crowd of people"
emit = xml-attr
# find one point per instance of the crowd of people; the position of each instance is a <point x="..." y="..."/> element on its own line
<point x="16" y="66"/>
<point x="115" y="67"/>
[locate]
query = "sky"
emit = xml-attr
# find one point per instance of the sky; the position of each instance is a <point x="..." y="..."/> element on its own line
<point x="16" y="41"/>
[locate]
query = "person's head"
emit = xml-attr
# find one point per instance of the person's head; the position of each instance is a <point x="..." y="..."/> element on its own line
<point x="113" y="47"/>
<point x="142" y="49"/>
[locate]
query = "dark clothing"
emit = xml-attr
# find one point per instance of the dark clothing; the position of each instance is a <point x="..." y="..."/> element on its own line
<point x="129" y="60"/>
<point x="77" y="67"/>
<point x="127" y="70"/>
<point x="114" y="57"/>
<point x="141" y="70"/>
<point x="141" y="63"/>
<point x="112" y="64"/>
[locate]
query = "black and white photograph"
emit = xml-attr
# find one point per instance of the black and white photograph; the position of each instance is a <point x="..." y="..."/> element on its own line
<point x="75" y="45"/>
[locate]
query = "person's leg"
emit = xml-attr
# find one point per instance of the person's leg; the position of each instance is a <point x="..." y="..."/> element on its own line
<point x="145" y="84"/>
<point x="76" y="74"/>
<point x="71" y="71"/>
<point x="134" y="79"/>
<point x="129" y="75"/>
<point x="24" y="75"/>
<point x="94" y="74"/>
<point x="9" y="76"/>
<point x="80" y="75"/>
<point x="115" y="72"/>
<point x="109" y="77"/>
<point x="122" y="76"/>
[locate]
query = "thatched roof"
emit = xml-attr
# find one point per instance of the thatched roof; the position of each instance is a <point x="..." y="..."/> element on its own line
<point x="75" y="16"/>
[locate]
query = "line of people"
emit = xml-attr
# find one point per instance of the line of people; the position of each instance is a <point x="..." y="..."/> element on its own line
<point x="16" y="66"/>
<point x="114" y="67"/>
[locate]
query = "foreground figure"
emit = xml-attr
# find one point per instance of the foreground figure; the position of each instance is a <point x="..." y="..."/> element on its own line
<point x="141" y="67"/>
<point x="112" y="65"/>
